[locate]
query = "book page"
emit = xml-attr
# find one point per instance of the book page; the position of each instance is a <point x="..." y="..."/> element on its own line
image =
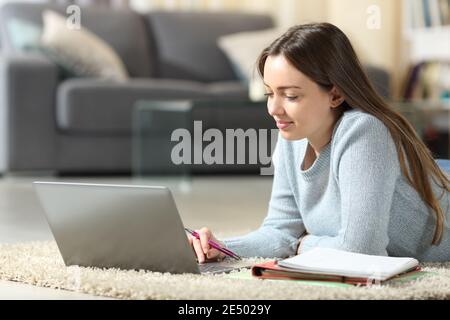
<point x="349" y="264"/>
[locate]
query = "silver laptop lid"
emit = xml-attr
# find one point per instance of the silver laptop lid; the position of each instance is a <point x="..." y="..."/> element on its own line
<point x="120" y="226"/>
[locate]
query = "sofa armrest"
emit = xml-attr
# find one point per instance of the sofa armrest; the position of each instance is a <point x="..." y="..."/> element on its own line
<point x="27" y="112"/>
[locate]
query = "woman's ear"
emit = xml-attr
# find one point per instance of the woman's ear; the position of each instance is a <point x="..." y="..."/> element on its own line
<point x="336" y="98"/>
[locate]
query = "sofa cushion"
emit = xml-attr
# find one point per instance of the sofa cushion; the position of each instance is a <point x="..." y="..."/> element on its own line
<point x="123" y="30"/>
<point x="186" y="42"/>
<point x="80" y="51"/>
<point x="244" y="48"/>
<point x="105" y="107"/>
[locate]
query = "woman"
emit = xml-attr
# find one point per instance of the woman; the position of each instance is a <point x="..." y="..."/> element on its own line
<point x="350" y="172"/>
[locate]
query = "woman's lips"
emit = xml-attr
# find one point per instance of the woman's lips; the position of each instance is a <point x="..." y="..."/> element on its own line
<point x="282" y="125"/>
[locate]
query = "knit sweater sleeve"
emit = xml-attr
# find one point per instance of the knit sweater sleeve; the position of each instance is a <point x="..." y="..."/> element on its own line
<point x="367" y="167"/>
<point x="279" y="234"/>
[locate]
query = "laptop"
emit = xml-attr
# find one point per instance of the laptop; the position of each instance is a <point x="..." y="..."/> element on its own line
<point x="121" y="226"/>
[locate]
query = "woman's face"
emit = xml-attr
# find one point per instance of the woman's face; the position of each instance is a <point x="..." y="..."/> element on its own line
<point x="299" y="106"/>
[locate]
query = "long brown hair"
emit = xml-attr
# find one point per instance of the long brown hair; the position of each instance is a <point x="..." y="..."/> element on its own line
<point x="323" y="53"/>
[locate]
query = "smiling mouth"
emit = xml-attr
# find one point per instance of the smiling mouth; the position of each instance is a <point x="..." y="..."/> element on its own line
<point x="282" y="125"/>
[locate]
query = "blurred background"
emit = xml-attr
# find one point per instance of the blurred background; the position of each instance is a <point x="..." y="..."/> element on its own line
<point x="98" y="74"/>
<point x="409" y="31"/>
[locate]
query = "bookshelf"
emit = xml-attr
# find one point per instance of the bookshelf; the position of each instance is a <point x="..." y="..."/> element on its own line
<point x="426" y="89"/>
<point x="426" y="30"/>
<point x="430" y="44"/>
<point x="420" y="14"/>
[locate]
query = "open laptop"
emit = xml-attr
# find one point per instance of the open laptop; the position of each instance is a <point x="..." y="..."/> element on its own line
<point x="121" y="226"/>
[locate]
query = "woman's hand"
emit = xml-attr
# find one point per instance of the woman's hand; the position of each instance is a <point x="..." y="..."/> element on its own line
<point x="204" y="252"/>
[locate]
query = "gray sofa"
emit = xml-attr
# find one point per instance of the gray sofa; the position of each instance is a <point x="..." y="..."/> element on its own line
<point x="83" y="125"/>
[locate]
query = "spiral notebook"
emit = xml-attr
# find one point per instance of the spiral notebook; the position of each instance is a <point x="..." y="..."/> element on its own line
<point x="336" y="265"/>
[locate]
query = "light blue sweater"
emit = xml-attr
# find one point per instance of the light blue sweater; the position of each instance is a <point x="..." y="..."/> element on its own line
<point x="354" y="198"/>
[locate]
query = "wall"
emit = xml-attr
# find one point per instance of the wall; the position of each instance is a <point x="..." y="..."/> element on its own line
<point x="379" y="46"/>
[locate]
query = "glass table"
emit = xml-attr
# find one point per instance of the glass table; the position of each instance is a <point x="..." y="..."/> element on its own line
<point x="172" y="137"/>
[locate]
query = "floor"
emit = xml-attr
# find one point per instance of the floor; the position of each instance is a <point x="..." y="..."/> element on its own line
<point x="230" y="205"/>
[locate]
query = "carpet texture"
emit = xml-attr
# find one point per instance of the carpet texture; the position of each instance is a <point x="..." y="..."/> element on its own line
<point x="40" y="264"/>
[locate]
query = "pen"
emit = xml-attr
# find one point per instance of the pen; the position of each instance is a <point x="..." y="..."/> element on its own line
<point x="214" y="245"/>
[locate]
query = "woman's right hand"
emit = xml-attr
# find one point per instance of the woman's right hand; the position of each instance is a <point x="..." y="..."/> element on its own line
<point x="204" y="252"/>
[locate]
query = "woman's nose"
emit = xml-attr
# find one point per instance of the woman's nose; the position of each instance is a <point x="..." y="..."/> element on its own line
<point x="275" y="107"/>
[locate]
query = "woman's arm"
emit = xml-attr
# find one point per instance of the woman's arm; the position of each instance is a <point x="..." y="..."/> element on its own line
<point x="279" y="234"/>
<point x="367" y="172"/>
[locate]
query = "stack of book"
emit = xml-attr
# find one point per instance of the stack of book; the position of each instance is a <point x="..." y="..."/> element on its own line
<point x="429" y="13"/>
<point x="428" y="81"/>
<point x="324" y="264"/>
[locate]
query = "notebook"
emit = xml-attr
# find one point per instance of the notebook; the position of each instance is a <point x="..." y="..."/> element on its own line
<point x="336" y="265"/>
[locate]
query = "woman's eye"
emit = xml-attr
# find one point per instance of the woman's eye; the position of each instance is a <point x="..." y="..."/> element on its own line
<point x="268" y="95"/>
<point x="291" y="98"/>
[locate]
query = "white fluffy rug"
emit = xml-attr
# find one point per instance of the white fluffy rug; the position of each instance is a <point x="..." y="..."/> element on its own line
<point x="40" y="264"/>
